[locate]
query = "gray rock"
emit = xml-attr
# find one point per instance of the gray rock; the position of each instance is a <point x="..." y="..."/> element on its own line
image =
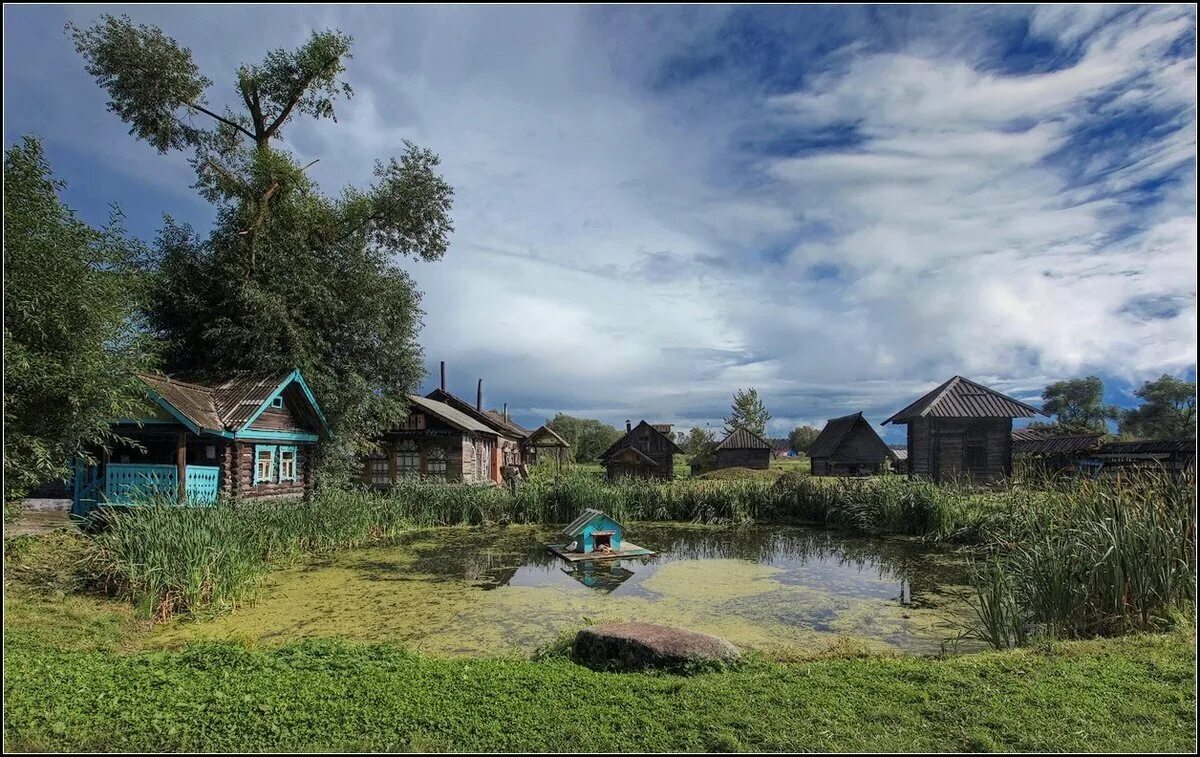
<point x="646" y="646"/>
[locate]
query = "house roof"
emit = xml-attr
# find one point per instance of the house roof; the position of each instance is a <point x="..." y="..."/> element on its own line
<point x="743" y="438"/>
<point x="899" y="454"/>
<point x="834" y="432"/>
<point x="575" y="527"/>
<point x="1052" y="445"/>
<point x="492" y="421"/>
<point x="962" y="398"/>
<point x="229" y="405"/>
<point x="451" y="415"/>
<point x="1028" y="434"/>
<point x="1149" y="446"/>
<point x="633" y="452"/>
<point x="536" y="437"/>
<point x="627" y="440"/>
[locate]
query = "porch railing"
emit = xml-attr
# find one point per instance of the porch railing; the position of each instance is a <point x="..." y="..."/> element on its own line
<point x="130" y="483"/>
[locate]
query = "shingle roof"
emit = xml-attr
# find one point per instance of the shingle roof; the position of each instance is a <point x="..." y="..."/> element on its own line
<point x="494" y="422"/>
<point x="238" y="397"/>
<point x="575" y="527"/>
<point x="743" y="438"/>
<point x="193" y="401"/>
<point x="509" y="425"/>
<point x="1052" y="445"/>
<point x="227" y="405"/>
<point x="962" y="398"/>
<point x="453" y="416"/>
<point x="1028" y="434"/>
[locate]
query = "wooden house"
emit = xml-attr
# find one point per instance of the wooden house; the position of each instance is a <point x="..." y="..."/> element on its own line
<point x="245" y="437"/>
<point x="961" y="430"/>
<point x="743" y="448"/>
<point x="848" y="446"/>
<point x="643" y="452"/>
<point x="447" y="438"/>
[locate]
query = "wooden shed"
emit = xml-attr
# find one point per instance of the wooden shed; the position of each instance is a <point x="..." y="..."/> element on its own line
<point x="643" y="452"/>
<point x="743" y="448"/>
<point x="848" y="446"/>
<point x="961" y="430"/>
<point x="246" y="437"/>
<point x="1043" y="452"/>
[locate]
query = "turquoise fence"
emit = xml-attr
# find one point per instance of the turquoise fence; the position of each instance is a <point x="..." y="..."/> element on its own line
<point x="202" y="482"/>
<point x="127" y="482"/>
<point x="130" y="484"/>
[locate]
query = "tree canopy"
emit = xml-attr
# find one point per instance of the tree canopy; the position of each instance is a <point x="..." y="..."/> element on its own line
<point x="1078" y="407"/>
<point x="71" y="340"/>
<point x="802" y="437"/>
<point x="588" y="437"/>
<point x="1168" y="410"/>
<point x="747" y="412"/>
<point x="287" y="277"/>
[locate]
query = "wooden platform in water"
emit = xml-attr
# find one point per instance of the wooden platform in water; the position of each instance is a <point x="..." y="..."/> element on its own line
<point x="628" y="549"/>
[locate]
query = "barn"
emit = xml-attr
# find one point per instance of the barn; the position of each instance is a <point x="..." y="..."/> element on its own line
<point x="247" y="436"/>
<point x="643" y="452"/>
<point x="848" y="446"/>
<point x="961" y="430"/>
<point x="743" y="448"/>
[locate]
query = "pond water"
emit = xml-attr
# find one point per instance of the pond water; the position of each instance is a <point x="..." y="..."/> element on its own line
<point x="497" y="591"/>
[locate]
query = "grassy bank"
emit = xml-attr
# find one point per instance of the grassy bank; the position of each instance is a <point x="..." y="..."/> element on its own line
<point x="1135" y="693"/>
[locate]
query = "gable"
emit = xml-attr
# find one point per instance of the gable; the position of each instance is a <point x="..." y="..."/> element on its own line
<point x="300" y="407"/>
<point x="656" y="441"/>
<point x="959" y="397"/>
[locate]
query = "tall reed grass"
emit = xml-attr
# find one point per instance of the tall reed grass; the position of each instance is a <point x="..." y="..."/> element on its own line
<point x="1090" y="557"/>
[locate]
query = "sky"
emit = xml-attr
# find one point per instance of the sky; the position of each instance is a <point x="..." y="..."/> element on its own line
<point x="656" y="206"/>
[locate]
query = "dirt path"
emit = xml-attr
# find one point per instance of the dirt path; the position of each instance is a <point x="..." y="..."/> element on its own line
<point x="41" y="516"/>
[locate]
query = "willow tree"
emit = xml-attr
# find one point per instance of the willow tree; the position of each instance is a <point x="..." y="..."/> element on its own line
<point x="287" y="276"/>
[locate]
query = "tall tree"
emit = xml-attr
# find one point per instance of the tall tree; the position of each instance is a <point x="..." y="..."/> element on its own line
<point x="701" y="447"/>
<point x="287" y="277"/>
<point x="802" y="437"/>
<point x="748" y="412"/>
<point x="1168" y="410"/>
<point x="588" y="437"/>
<point x="71" y="341"/>
<point x="1078" y="407"/>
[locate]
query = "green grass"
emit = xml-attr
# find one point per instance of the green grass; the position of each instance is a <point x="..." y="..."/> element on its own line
<point x="1135" y="693"/>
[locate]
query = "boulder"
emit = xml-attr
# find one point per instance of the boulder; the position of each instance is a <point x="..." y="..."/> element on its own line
<point x="646" y="646"/>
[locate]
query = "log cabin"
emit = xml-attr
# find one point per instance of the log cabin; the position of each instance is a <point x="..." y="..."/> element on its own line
<point x="742" y="448"/>
<point x="848" y="446"/>
<point x="643" y="452"/>
<point x="244" y="437"/>
<point x="961" y="430"/>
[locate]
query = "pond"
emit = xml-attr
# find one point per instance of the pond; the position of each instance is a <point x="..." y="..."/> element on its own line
<point x="498" y="591"/>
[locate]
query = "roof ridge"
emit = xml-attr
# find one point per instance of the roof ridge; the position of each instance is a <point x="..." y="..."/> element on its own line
<point x="172" y="380"/>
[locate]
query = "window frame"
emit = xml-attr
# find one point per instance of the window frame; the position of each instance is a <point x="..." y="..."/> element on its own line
<point x="272" y="451"/>
<point x="295" y="461"/>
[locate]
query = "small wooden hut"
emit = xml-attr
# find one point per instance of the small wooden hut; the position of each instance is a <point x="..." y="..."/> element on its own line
<point x="643" y="452"/>
<point x="848" y="446"/>
<point x="743" y="448"/>
<point x="961" y="429"/>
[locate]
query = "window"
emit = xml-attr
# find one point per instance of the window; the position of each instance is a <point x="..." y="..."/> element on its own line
<point x="264" y="463"/>
<point x="975" y="449"/>
<point x="408" y="459"/>
<point x="287" y="464"/>
<point x="277" y="403"/>
<point x="210" y="452"/>
<point x="435" y="462"/>
<point x="414" y="422"/>
<point x="377" y="469"/>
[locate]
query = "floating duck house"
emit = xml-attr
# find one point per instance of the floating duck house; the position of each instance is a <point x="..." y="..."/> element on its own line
<point x="595" y="535"/>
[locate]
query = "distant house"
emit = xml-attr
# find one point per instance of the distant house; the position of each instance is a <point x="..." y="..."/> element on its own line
<point x="248" y="436"/>
<point x="743" y="448"/>
<point x="643" y="452"/>
<point x="961" y="429"/>
<point x="446" y="437"/>
<point x="848" y="446"/>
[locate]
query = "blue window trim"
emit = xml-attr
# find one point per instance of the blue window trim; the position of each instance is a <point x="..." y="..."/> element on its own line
<point x="276" y="436"/>
<point x="295" y="462"/>
<point x="274" y="474"/>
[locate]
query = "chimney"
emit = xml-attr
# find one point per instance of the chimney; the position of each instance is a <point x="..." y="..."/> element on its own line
<point x="506" y="412"/>
<point x="479" y="396"/>
<point x="443" y="375"/>
<point x="628" y="426"/>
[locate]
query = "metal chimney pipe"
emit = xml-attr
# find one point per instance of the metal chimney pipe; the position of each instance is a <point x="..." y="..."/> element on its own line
<point x="443" y="375"/>
<point x="628" y="426"/>
<point x="479" y="396"/>
<point x="506" y="412"/>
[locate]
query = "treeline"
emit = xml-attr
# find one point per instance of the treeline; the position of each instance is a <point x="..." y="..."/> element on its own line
<point x="287" y="277"/>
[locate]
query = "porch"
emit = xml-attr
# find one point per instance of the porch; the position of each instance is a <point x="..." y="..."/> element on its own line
<point x="139" y="483"/>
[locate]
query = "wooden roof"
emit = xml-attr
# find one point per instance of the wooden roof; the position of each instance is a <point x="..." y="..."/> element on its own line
<point x="538" y="438"/>
<point x="1149" y="447"/>
<point x="743" y="438"/>
<point x="1048" y="444"/>
<point x="627" y="440"/>
<point x="230" y="404"/>
<point x="494" y="422"/>
<point x="451" y="415"/>
<point x="962" y="398"/>
<point x="629" y="455"/>
<point x="836" y="429"/>
<point x="512" y="427"/>
<point x="575" y="527"/>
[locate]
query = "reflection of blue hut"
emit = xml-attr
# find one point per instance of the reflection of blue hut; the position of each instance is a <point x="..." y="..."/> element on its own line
<point x="594" y="531"/>
<point x="602" y="575"/>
